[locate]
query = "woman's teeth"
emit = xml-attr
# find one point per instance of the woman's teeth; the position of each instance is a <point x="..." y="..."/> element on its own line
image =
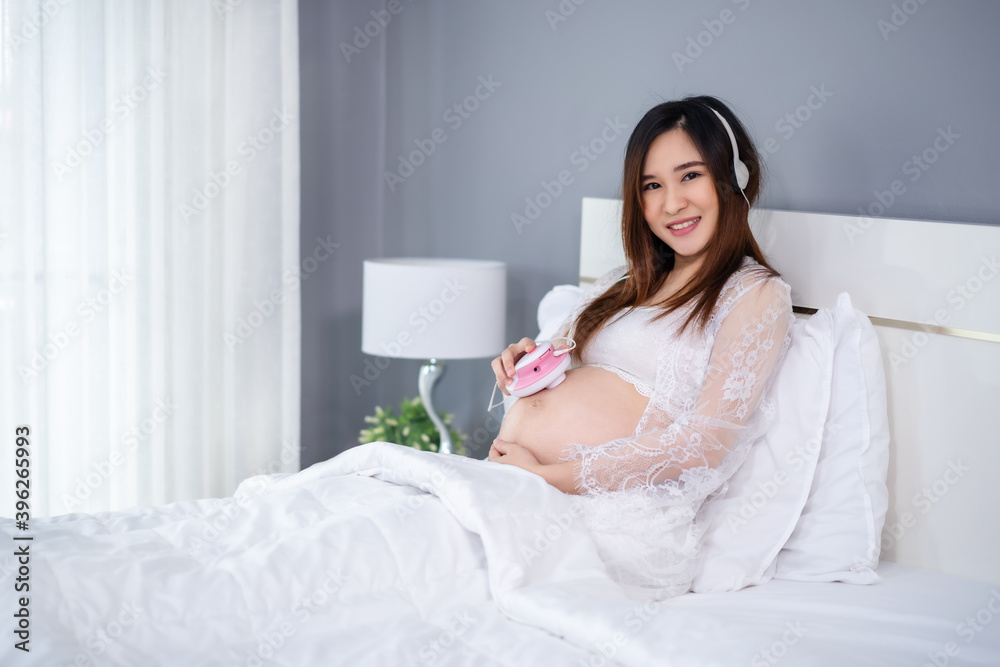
<point x="684" y="225"/>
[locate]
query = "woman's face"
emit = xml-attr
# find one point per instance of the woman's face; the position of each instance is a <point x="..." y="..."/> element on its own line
<point x="679" y="200"/>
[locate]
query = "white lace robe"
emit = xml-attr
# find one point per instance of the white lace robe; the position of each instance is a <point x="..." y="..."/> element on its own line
<point x="642" y="494"/>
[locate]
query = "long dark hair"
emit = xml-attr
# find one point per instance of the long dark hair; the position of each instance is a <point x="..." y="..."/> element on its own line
<point x="649" y="259"/>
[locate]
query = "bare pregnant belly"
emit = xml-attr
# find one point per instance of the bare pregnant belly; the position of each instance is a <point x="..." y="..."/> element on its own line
<point x="591" y="406"/>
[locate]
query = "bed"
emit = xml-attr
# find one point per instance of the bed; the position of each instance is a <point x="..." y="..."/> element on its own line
<point x="390" y="556"/>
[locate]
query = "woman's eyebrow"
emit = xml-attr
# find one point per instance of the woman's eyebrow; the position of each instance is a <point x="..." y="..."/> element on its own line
<point x="688" y="165"/>
<point x="680" y="167"/>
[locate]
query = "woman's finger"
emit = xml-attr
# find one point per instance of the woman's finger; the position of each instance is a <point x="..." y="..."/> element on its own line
<point x="501" y="376"/>
<point x="514" y="352"/>
<point x="508" y="358"/>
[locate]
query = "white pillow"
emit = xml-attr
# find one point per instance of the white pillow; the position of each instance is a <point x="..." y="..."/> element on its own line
<point x="838" y="536"/>
<point x="555" y="307"/>
<point x="757" y="510"/>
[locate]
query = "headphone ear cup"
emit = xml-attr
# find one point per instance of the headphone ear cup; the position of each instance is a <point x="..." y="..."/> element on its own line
<point x="740" y="170"/>
<point x="742" y="174"/>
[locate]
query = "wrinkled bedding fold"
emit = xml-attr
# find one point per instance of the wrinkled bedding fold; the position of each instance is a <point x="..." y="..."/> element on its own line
<point x="381" y="555"/>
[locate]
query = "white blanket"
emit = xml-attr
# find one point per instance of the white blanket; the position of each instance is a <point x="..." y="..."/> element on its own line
<point x="383" y="555"/>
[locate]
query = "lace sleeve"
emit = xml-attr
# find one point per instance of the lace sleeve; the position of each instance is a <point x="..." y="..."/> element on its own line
<point x="750" y="340"/>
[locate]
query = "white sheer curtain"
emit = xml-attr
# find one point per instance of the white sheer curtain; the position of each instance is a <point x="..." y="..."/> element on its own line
<point x="149" y="255"/>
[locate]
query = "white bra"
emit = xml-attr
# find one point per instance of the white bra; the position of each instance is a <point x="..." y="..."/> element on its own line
<point x="629" y="345"/>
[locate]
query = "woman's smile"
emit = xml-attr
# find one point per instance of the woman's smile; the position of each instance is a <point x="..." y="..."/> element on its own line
<point x="684" y="226"/>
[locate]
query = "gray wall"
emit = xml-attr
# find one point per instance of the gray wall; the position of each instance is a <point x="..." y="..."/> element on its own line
<point x="886" y="95"/>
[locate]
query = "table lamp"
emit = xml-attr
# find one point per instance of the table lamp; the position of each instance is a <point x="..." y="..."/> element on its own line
<point x="434" y="309"/>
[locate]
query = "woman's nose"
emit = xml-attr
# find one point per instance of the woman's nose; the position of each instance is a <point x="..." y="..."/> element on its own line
<point x="673" y="201"/>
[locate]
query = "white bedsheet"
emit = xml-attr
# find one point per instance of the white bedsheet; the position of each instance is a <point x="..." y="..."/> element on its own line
<point x="909" y="618"/>
<point x="390" y="556"/>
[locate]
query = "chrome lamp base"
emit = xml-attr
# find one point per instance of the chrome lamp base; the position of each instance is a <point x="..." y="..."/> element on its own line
<point x="430" y="371"/>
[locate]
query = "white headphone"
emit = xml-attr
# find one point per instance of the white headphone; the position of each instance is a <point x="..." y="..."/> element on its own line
<point x="739" y="169"/>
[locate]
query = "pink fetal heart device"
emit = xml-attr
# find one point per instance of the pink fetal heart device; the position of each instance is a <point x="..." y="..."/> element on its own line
<point x="542" y="368"/>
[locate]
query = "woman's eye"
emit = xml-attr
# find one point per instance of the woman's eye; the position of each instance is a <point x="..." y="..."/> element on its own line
<point x="690" y="175"/>
<point x="651" y="186"/>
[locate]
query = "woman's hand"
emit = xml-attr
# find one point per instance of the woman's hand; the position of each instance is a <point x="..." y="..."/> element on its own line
<point x="560" y="475"/>
<point x="503" y="366"/>
<point x="513" y="454"/>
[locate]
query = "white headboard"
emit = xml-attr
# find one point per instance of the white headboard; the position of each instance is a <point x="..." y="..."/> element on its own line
<point x="932" y="290"/>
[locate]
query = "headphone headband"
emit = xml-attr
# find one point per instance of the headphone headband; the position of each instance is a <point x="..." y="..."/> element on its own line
<point x="739" y="169"/>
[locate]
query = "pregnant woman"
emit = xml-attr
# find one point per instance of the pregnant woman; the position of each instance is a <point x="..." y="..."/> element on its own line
<point x="674" y="353"/>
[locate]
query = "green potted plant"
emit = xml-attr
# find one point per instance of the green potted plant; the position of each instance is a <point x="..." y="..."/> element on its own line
<point x="412" y="427"/>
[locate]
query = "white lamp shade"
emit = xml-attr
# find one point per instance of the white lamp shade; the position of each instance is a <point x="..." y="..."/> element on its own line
<point x="417" y="308"/>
